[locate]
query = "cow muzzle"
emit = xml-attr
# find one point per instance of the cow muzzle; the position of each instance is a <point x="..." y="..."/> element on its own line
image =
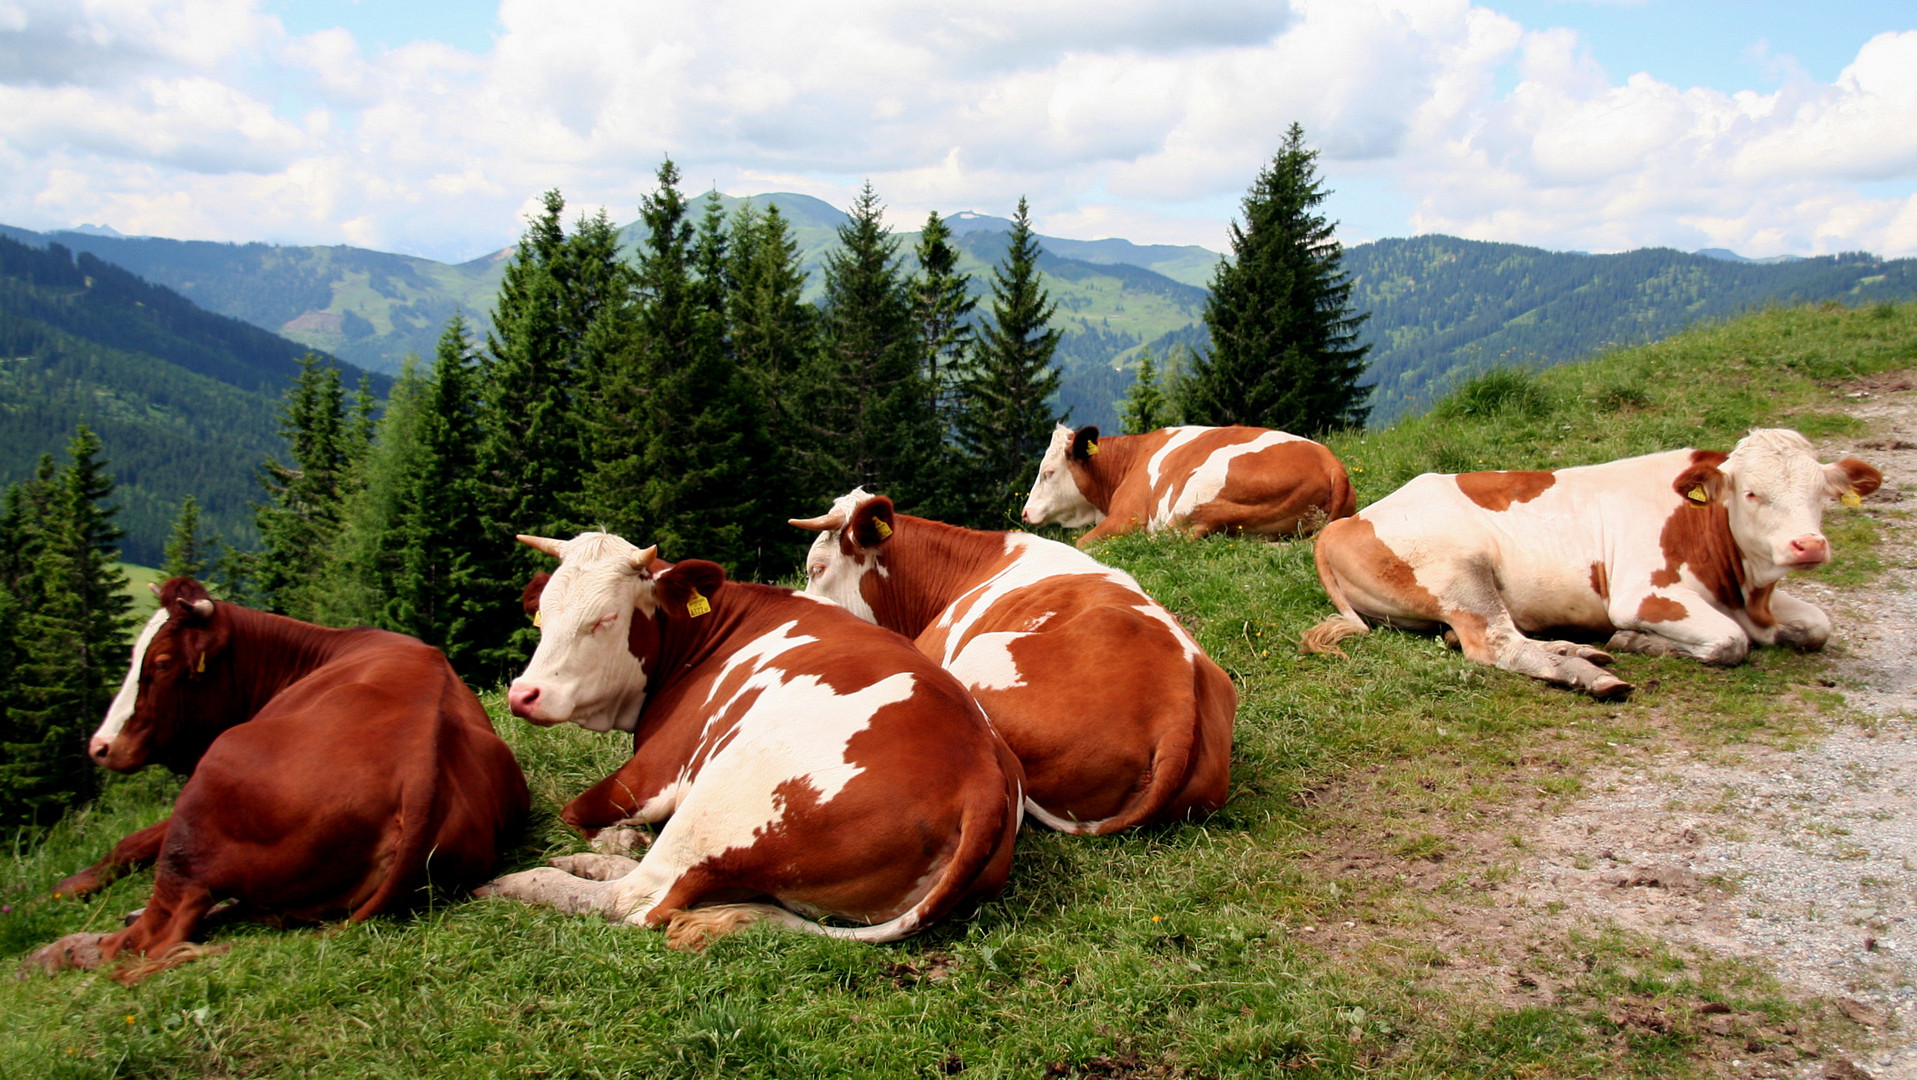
<point x="98" y="749"/>
<point x="1808" y="550"/>
<point x="531" y="702"/>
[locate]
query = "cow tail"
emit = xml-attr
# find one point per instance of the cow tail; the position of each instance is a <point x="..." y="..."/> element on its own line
<point x="1324" y="637"/>
<point x="418" y="825"/>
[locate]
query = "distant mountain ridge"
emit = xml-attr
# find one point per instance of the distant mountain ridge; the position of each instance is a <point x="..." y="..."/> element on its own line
<point x="1439" y="305"/>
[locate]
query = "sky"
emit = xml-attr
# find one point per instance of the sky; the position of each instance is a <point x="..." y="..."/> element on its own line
<point x="1764" y="126"/>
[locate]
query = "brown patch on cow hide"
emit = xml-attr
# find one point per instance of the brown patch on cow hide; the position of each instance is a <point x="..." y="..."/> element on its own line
<point x="1370" y="563"/>
<point x="1661" y="609"/>
<point x="1601" y="581"/>
<point x="1498" y="490"/>
<point x="1699" y="537"/>
<point x="1759" y="606"/>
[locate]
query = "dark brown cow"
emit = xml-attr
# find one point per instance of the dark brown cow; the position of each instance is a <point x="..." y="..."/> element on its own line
<point x="1117" y="715"/>
<point x="1200" y="480"/>
<point x="330" y="771"/>
<point x="800" y="755"/>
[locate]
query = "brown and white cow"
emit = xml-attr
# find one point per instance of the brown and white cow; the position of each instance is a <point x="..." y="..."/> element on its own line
<point x="1198" y="479"/>
<point x="795" y="753"/>
<point x="1117" y="716"/>
<point x="1673" y="554"/>
<point x="331" y="770"/>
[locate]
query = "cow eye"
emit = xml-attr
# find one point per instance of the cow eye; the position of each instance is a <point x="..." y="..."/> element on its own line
<point x="1049" y="472"/>
<point x="815" y="569"/>
<point x="605" y="621"/>
<point x="1751" y="495"/>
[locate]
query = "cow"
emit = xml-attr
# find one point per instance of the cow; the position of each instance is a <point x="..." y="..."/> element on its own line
<point x="1199" y="480"/>
<point x="1671" y="554"/>
<point x="330" y="772"/>
<point x="1117" y="716"/>
<point x="795" y="754"/>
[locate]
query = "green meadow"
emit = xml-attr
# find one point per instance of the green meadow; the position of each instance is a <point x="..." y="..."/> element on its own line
<point x="1331" y="921"/>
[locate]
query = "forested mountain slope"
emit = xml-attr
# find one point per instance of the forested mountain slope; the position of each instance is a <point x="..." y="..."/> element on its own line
<point x="1441" y="306"/>
<point x="183" y="399"/>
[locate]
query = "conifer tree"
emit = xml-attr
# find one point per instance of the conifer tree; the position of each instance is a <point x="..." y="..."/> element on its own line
<point x="942" y="305"/>
<point x="1284" y="340"/>
<point x="870" y="410"/>
<point x="188" y="552"/>
<point x="1146" y="407"/>
<point x="1008" y="415"/>
<point x="361" y="566"/>
<point x="64" y="606"/>
<point x="774" y="333"/>
<point x="303" y="517"/>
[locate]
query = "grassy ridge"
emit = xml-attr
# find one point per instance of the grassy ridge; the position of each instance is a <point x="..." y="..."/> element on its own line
<point x="1236" y="947"/>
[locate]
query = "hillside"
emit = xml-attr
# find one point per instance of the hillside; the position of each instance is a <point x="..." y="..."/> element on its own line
<point x="1442" y="306"/>
<point x="185" y="400"/>
<point x="1381" y="897"/>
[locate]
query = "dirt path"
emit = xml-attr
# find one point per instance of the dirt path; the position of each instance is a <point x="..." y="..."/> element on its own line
<point x="1805" y="861"/>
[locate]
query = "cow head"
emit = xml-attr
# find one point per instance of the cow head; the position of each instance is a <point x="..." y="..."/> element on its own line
<point x="1057" y="496"/>
<point x="1773" y="491"/>
<point x="850" y="536"/>
<point x="590" y="665"/>
<point x="165" y="684"/>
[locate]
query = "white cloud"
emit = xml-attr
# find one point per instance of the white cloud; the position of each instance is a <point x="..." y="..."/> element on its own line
<point x="205" y="118"/>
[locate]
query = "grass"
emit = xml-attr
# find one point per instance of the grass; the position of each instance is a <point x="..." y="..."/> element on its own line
<point x="1251" y="944"/>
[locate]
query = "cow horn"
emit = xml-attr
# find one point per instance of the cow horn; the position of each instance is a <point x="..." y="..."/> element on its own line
<point x="203" y="607"/>
<point x="155" y="586"/>
<point x="822" y="523"/>
<point x="544" y="544"/>
<point x="644" y="560"/>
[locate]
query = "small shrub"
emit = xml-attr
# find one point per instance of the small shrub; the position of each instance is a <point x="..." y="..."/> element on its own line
<point x="1501" y="391"/>
<point x="1622" y="395"/>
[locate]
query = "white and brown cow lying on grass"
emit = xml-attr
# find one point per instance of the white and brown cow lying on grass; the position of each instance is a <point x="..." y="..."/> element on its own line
<point x="1673" y="554"/>
<point x="796" y="754"/>
<point x="1117" y="716"/>
<point x="1200" y="480"/>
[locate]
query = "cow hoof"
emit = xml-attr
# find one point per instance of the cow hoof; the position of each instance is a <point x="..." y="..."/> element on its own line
<point x="594" y="866"/>
<point x="73" y="951"/>
<point x="620" y="840"/>
<point x="1609" y="688"/>
<point x="548" y="886"/>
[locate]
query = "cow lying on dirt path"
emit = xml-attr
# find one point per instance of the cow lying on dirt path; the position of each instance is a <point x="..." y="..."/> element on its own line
<point x="1198" y="479"/>
<point x="331" y="771"/>
<point x="1677" y="553"/>
<point x="1117" y="716"/>
<point x="795" y="753"/>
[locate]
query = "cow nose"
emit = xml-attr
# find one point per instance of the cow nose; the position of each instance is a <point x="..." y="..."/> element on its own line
<point x="522" y="698"/>
<point x="1810" y="549"/>
<point x="1027" y="516"/>
<point x="97" y="749"/>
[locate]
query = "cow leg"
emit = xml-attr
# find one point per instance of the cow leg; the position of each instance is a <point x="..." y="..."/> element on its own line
<point x="1498" y="642"/>
<point x="594" y="866"/>
<point x="550" y="887"/>
<point x="1800" y="624"/>
<point x="1572" y="648"/>
<point x="636" y="793"/>
<point x="1685" y="625"/>
<point x="161" y="936"/>
<point x="134" y="852"/>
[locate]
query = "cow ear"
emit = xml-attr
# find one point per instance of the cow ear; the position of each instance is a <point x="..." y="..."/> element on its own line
<point x="1702" y="483"/>
<point x="872" y="523"/>
<point x="1084" y="442"/>
<point x="687" y="587"/>
<point x="1851" y="478"/>
<point x="529" y="599"/>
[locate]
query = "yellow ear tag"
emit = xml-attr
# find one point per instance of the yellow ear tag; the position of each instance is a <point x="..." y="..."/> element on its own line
<point x="201" y="670"/>
<point x="1090" y="449"/>
<point x="1851" y="499"/>
<point x="885" y="530"/>
<point x="539" y="617"/>
<point x="1697" y="495"/>
<point x="698" y="605"/>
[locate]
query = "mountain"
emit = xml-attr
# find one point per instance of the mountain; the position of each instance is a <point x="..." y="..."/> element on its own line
<point x="1441" y="306"/>
<point x="185" y="400"/>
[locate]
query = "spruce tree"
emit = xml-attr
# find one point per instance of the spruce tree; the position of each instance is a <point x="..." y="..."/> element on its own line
<point x="774" y="333"/>
<point x="303" y="517"/>
<point x="870" y="411"/>
<point x="1007" y="417"/>
<point x="1284" y="340"/>
<point x="363" y="561"/>
<point x="942" y="305"/>
<point x="189" y="552"/>
<point x="1146" y="407"/>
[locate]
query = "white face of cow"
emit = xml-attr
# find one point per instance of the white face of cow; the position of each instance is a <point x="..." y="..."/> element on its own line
<point x="121" y="710"/>
<point x="833" y="572"/>
<point x="1055" y="497"/>
<point x="583" y="670"/>
<point x="1775" y="492"/>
